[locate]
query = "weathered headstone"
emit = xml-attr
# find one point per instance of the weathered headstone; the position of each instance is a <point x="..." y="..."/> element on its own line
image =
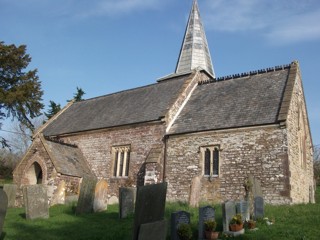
<point x="59" y="197"/>
<point x="150" y="205"/>
<point x="178" y="218"/>
<point x="155" y="231"/>
<point x="258" y="207"/>
<point x="242" y="208"/>
<point x="11" y="190"/>
<point x="113" y="200"/>
<point x="195" y="192"/>
<point x="101" y="196"/>
<point x="205" y="214"/>
<point x="127" y="198"/>
<point x="36" y="201"/>
<point x="3" y="208"/>
<point x="86" y="197"/>
<point x="228" y="211"/>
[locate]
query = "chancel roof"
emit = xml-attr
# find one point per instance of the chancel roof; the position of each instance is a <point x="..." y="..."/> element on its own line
<point x="144" y="104"/>
<point x="250" y="100"/>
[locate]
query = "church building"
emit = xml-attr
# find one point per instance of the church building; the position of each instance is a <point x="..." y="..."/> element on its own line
<point x="190" y="128"/>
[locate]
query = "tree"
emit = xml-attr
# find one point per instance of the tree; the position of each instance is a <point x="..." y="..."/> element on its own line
<point x="78" y="95"/>
<point x="20" y="90"/>
<point x="54" y="108"/>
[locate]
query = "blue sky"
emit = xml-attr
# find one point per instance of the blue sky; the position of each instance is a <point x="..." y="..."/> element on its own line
<point x="105" y="46"/>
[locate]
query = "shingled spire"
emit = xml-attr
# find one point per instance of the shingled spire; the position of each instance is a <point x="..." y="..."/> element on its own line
<point x="194" y="50"/>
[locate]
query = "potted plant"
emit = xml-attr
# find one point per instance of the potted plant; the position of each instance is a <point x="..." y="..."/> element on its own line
<point x="251" y="224"/>
<point x="184" y="231"/>
<point x="236" y="223"/>
<point x="210" y="227"/>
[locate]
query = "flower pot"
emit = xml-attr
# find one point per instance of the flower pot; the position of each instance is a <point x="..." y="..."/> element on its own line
<point x="251" y="225"/>
<point x="236" y="227"/>
<point x="211" y="235"/>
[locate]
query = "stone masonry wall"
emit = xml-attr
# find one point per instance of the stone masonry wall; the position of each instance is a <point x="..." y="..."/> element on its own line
<point x="97" y="149"/>
<point x="261" y="152"/>
<point x="300" y="145"/>
<point x="36" y="154"/>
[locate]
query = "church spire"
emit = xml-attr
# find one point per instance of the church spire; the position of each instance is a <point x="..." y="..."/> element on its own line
<point x="194" y="50"/>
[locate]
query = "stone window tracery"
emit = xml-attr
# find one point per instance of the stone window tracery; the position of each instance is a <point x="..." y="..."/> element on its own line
<point x="211" y="160"/>
<point x="121" y="160"/>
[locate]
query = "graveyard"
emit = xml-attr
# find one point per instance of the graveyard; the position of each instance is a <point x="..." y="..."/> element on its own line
<point x="63" y="221"/>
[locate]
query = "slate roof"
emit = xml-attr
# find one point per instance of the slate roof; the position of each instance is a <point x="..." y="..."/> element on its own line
<point x="243" y="101"/>
<point x="144" y="104"/>
<point x="67" y="159"/>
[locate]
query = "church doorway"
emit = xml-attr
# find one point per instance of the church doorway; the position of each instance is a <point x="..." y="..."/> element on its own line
<point x="34" y="174"/>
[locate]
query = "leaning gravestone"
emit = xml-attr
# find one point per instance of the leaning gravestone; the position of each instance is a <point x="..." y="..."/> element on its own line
<point x="258" y="207"/>
<point x="150" y="206"/>
<point x="3" y="208"/>
<point x="11" y="190"/>
<point x="127" y="198"/>
<point x="228" y="211"/>
<point x="36" y="201"/>
<point x="155" y="231"/>
<point x="195" y="192"/>
<point x="242" y="208"/>
<point x="205" y="214"/>
<point x="86" y="197"/>
<point x="178" y="218"/>
<point x="100" y="202"/>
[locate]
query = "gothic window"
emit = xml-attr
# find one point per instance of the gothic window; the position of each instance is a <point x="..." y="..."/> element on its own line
<point x="302" y="138"/>
<point x="210" y="156"/>
<point x="121" y="156"/>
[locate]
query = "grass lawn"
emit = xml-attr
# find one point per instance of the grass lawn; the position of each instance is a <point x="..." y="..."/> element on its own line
<point x="291" y="222"/>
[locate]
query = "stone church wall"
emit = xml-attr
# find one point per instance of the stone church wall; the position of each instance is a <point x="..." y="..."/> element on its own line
<point x="97" y="149"/>
<point x="261" y="152"/>
<point x="300" y="147"/>
<point x="24" y="173"/>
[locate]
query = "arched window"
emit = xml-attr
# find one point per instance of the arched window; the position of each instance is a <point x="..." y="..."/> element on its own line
<point x="211" y="160"/>
<point x="121" y="159"/>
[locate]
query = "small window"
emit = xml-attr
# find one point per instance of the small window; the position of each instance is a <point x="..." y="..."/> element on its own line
<point x="121" y="156"/>
<point x="210" y="156"/>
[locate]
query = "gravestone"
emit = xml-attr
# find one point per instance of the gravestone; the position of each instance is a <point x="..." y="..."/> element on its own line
<point x="150" y="206"/>
<point x="59" y="197"/>
<point x="178" y="218"/>
<point x="101" y="196"/>
<point x="86" y="197"/>
<point x="228" y="211"/>
<point x="36" y="201"/>
<point x="195" y="192"/>
<point x="127" y="198"/>
<point x="205" y="214"/>
<point x="242" y="208"/>
<point x="258" y="207"/>
<point x="11" y="190"/>
<point x="155" y="231"/>
<point x="3" y="208"/>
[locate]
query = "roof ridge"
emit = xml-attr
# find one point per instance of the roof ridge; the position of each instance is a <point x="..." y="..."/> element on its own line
<point x="246" y="74"/>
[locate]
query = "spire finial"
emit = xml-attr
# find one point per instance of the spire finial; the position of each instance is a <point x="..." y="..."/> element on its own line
<point x="194" y="51"/>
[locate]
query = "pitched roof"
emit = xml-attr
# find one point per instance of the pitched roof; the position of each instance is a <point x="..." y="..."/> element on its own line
<point x="67" y="159"/>
<point x="194" y="51"/>
<point x="144" y="104"/>
<point x="251" y="100"/>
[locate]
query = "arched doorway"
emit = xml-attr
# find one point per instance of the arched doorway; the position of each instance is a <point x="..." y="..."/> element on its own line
<point x="34" y="174"/>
